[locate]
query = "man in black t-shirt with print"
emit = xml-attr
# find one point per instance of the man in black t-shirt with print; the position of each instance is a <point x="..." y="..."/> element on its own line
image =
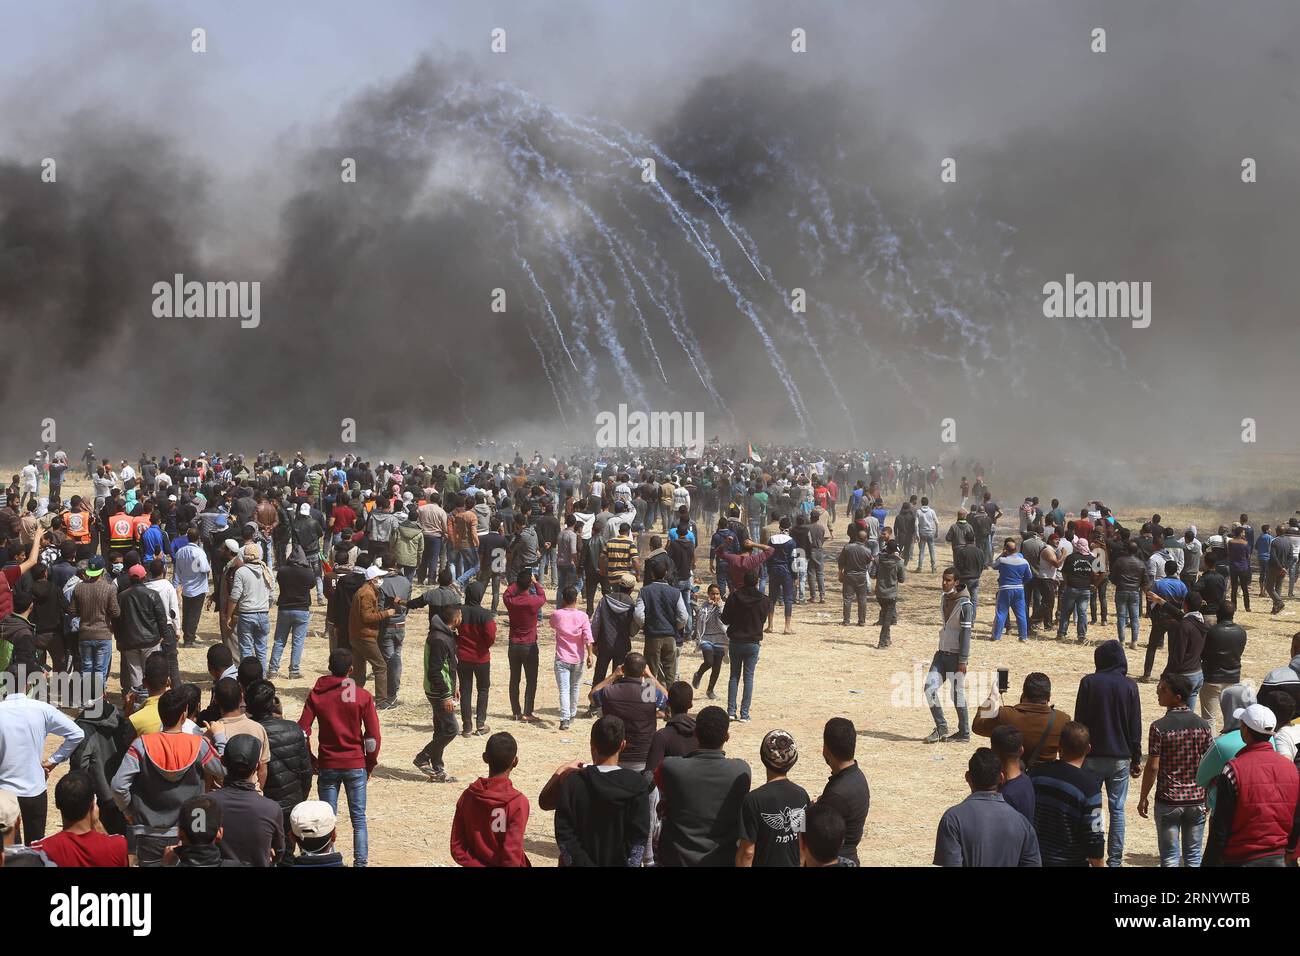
<point x="772" y="817"/>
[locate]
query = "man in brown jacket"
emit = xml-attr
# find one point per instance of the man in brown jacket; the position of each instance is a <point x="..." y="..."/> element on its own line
<point x="1037" y="719"/>
<point x="364" y="618"/>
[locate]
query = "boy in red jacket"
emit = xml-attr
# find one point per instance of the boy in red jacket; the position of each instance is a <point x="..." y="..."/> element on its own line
<point x="347" y="749"/>
<point x="491" y="815"/>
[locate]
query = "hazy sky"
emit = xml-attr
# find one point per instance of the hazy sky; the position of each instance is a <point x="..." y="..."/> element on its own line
<point x="1122" y="166"/>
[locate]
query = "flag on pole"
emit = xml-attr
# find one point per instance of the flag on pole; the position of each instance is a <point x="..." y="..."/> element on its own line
<point x="754" y="454"/>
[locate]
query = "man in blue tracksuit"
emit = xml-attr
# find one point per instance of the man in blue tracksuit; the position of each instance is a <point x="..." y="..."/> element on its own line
<point x="1014" y="575"/>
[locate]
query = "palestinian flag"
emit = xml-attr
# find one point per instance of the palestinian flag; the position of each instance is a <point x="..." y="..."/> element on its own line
<point x="754" y="453"/>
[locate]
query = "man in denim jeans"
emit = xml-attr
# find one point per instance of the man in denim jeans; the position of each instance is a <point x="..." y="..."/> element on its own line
<point x="347" y="749"/>
<point x="250" y="601"/>
<point x="1076" y="590"/>
<point x="1178" y="740"/>
<point x="949" y="663"/>
<point x="1109" y="706"/>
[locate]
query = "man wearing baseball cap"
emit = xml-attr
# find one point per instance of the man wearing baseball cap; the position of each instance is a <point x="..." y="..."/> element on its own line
<point x="254" y="824"/>
<point x="772" y="817"/>
<point x="1257" y="803"/>
<point x="312" y="823"/>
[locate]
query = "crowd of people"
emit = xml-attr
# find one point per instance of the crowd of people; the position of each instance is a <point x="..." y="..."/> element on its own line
<point x="600" y="550"/>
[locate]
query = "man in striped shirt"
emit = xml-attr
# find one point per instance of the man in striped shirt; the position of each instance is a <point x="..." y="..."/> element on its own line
<point x="619" y="556"/>
<point x="1067" y="805"/>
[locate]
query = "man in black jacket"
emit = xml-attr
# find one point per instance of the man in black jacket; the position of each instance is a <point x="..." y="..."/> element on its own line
<point x="288" y="774"/>
<point x="140" y="628"/>
<point x="1221" y="660"/>
<point x="700" y="796"/>
<point x="602" y="811"/>
<point x="970" y="561"/>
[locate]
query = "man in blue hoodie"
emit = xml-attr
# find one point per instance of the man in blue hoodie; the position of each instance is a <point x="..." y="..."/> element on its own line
<point x="1109" y="706"/>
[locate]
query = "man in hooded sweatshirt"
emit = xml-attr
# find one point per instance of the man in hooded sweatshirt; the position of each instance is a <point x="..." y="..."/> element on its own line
<point x="475" y="636"/>
<point x="440" y="688"/>
<point x="347" y="749"/>
<point x="1228" y="744"/>
<point x="890" y="572"/>
<point x="602" y="811"/>
<point x="1108" y="704"/>
<point x="491" y="815"/>
<point x="677" y="737"/>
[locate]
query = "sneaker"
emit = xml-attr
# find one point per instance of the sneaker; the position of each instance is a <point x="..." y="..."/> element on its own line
<point x="467" y="733"/>
<point x="711" y="695"/>
<point x="958" y="738"/>
<point x="695" y="681"/>
<point x="441" y="776"/>
<point x="425" y="766"/>
<point x="936" y="736"/>
<point x="742" y="720"/>
<point x="273" y="673"/>
<point x="390" y="704"/>
<point x="295" y="675"/>
<point x="481" y="731"/>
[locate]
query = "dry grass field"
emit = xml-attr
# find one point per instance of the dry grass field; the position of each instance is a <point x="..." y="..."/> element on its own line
<point x="820" y="671"/>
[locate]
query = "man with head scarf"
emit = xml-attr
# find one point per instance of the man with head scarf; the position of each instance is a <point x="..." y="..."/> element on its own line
<point x="248" y="613"/>
<point x="1229" y="743"/>
<point x="1076" y="589"/>
<point x="365" y="617"/>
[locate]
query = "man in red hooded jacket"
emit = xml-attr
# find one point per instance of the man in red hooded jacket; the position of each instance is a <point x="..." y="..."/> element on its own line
<point x="347" y="746"/>
<point x="491" y="815"/>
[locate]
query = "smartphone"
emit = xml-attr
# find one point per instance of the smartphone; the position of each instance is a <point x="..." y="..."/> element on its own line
<point x="1004" y="679"/>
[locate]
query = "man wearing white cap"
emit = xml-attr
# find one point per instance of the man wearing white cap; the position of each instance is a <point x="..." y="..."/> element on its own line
<point x="1257" y="802"/>
<point x="366" y="616"/>
<point x="313" y="824"/>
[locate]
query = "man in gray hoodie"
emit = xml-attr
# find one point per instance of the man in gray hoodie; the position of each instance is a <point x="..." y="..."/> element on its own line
<point x="927" y="529"/>
<point x="613" y="626"/>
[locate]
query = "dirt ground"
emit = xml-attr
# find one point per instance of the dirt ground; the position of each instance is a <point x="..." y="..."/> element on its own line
<point x="820" y="671"/>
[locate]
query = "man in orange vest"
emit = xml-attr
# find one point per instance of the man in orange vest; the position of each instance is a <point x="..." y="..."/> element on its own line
<point x="78" y="521"/>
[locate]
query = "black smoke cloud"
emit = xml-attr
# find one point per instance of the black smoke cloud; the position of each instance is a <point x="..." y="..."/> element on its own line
<point x="924" y="301"/>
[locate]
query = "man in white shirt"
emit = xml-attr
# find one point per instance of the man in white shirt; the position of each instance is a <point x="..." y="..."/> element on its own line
<point x="24" y="724"/>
